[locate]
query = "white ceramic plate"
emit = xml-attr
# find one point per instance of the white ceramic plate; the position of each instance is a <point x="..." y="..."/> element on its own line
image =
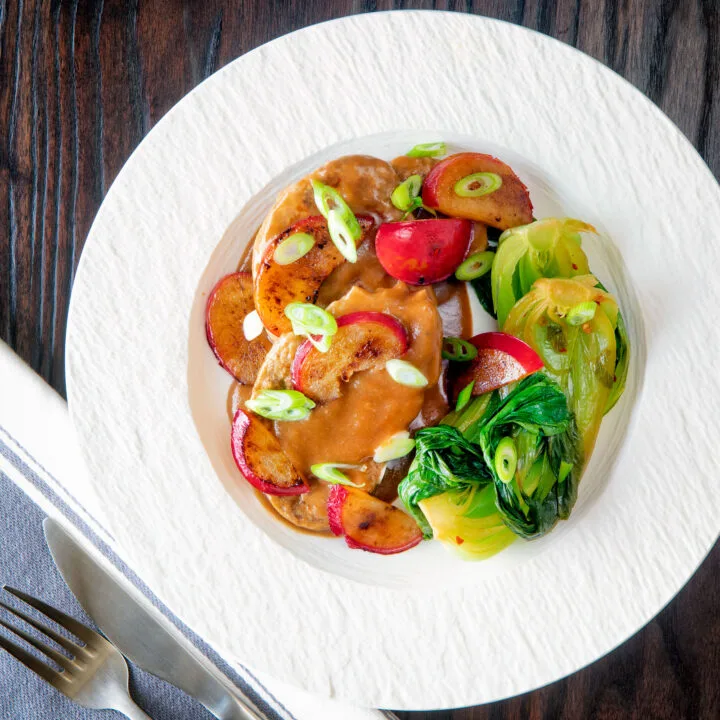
<point x="418" y="630"/>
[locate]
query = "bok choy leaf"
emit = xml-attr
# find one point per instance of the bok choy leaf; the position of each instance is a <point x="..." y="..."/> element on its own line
<point x="543" y="490"/>
<point x="546" y="248"/>
<point x="580" y="357"/>
<point x="455" y="463"/>
<point x="444" y="460"/>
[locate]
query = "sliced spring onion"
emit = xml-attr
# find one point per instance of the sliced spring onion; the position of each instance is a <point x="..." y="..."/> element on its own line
<point x="281" y="405"/>
<point x="342" y="234"/>
<point x="435" y="149"/>
<point x="477" y="265"/>
<point x="419" y="205"/>
<point x="326" y="197"/>
<point x="581" y="313"/>
<point x="396" y="446"/>
<point x="343" y="226"/>
<point x="455" y="348"/>
<point x="404" y="373"/>
<point x="331" y="472"/>
<point x="464" y="396"/>
<point x="293" y="247"/>
<point x="308" y="319"/>
<point x="252" y="326"/>
<point x="321" y="342"/>
<point x="477" y="184"/>
<point x="406" y="193"/>
<point x="506" y="459"/>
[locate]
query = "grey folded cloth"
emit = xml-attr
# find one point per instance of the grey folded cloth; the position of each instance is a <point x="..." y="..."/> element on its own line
<point x="41" y="473"/>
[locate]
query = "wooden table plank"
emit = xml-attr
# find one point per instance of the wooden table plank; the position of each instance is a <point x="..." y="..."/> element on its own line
<point x="81" y="83"/>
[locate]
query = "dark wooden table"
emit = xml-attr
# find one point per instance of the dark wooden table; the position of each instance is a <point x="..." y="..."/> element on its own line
<point x="82" y="82"/>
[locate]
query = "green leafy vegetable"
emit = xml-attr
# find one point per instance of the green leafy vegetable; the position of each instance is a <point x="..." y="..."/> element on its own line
<point x="483" y="289"/>
<point x="580" y="358"/>
<point x="536" y="417"/>
<point x="546" y="248"/>
<point x="444" y="460"/>
<point x="464" y="396"/>
<point x="468" y="523"/>
<point x="622" y="359"/>
<point x="455" y="464"/>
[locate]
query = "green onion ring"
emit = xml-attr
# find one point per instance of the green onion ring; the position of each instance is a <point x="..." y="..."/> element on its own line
<point x="321" y="342"/>
<point x="293" y="247"/>
<point x="287" y="405"/>
<point x="506" y="460"/>
<point x="464" y="396"/>
<point x="342" y="235"/>
<point x="454" y="348"/>
<point x="477" y="265"/>
<point x="324" y="195"/>
<point x="581" y="313"/>
<point x="428" y="150"/>
<point x="396" y="446"/>
<point x="405" y="195"/>
<point x="330" y="472"/>
<point x="309" y="319"/>
<point x="328" y="199"/>
<point x="404" y="373"/>
<point x="486" y="183"/>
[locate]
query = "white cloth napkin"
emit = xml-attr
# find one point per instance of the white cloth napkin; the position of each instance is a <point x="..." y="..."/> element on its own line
<point x="42" y="458"/>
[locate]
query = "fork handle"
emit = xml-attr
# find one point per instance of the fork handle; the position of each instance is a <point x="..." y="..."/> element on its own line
<point x="127" y="707"/>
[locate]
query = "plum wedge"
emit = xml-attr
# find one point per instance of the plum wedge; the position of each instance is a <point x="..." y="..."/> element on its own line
<point x="277" y="285"/>
<point x="422" y="252"/>
<point x="364" y="340"/>
<point x="501" y="359"/>
<point x="260" y="459"/>
<point x="229" y="303"/>
<point x="369" y="523"/>
<point x="478" y="187"/>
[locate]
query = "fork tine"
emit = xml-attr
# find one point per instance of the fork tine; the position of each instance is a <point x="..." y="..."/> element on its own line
<point x="66" y="644"/>
<point x="63" y="661"/>
<point x="31" y="662"/>
<point x="69" y="623"/>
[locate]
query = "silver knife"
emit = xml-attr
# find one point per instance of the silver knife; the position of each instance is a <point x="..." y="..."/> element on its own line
<point x="140" y="631"/>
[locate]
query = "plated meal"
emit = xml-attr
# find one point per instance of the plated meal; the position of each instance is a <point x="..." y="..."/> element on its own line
<point x="364" y="403"/>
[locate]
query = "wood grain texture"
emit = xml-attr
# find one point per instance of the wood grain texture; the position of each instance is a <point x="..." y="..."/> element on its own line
<point x="82" y="82"/>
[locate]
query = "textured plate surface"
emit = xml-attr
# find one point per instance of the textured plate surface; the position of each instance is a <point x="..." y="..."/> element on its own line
<point x="596" y="148"/>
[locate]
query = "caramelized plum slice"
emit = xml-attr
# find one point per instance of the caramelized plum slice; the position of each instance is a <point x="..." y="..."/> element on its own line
<point x="276" y="285"/>
<point x="370" y="524"/>
<point x="229" y="303"/>
<point x="507" y="206"/>
<point x="501" y="359"/>
<point x="260" y="459"/>
<point x="364" y="340"/>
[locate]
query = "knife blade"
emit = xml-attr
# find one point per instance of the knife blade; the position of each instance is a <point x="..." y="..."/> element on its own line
<point x="141" y="632"/>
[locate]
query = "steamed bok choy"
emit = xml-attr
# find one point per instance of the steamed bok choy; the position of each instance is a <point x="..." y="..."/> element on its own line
<point x="549" y="248"/>
<point x="453" y="487"/>
<point x="444" y="460"/>
<point x="534" y="419"/>
<point x="571" y="324"/>
<point x="543" y="249"/>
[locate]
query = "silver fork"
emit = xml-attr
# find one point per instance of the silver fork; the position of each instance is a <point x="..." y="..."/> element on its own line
<point x="94" y="676"/>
